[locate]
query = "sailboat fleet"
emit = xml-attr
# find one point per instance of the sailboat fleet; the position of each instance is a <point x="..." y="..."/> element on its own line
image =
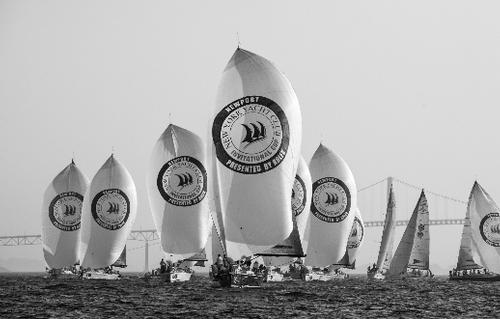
<point x="250" y="187"/>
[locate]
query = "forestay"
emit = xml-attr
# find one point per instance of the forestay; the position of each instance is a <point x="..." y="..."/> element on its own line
<point x="256" y="134"/>
<point x="109" y="211"/>
<point x="61" y="217"/>
<point x="177" y="188"/>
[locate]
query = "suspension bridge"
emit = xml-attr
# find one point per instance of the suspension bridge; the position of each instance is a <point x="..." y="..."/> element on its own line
<point x="372" y="202"/>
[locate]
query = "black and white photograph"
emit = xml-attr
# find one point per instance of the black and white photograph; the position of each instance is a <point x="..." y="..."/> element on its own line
<point x="249" y="159"/>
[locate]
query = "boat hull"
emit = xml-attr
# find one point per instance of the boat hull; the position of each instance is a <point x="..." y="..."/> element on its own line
<point x="320" y="276"/>
<point x="274" y="277"/>
<point x="178" y="276"/>
<point x="97" y="275"/>
<point x="476" y="278"/>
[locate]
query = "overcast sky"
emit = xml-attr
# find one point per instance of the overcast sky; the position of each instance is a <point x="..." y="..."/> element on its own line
<point x="402" y="88"/>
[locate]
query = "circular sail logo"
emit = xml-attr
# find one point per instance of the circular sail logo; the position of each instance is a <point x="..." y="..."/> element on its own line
<point x="331" y="200"/>
<point x="357" y="234"/>
<point x="111" y="208"/>
<point x="490" y="229"/>
<point x="299" y="196"/>
<point x="182" y="181"/>
<point x="251" y="135"/>
<point x="65" y="211"/>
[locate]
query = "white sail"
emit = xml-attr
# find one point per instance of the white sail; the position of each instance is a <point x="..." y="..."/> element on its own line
<point x="301" y="201"/>
<point x="334" y="197"/>
<point x="413" y="249"/>
<point x="385" y="251"/>
<point x="485" y="224"/>
<point x="61" y="216"/>
<point x="465" y="254"/>
<point x="256" y="135"/>
<point x="109" y="210"/>
<point x="354" y="242"/>
<point x="177" y="189"/>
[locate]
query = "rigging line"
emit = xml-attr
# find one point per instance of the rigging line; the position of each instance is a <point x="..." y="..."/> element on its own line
<point x="135" y="248"/>
<point x="217" y="232"/>
<point x="431" y="192"/>
<point x="370" y="186"/>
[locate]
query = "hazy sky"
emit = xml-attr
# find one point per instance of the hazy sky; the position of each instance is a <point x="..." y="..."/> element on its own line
<point x="402" y="88"/>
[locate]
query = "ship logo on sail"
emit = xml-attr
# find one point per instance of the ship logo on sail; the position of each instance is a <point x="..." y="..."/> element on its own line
<point x="299" y="196"/>
<point x="65" y="211"/>
<point x="111" y="208"/>
<point x="182" y="181"/>
<point x="489" y="228"/>
<point x="114" y="208"/>
<point x="251" y="135"/>
<point x="331" y="200"/>
<point x="416" y="261"/>
<point x="357" y="234"/>
<point x="254" y="132"/>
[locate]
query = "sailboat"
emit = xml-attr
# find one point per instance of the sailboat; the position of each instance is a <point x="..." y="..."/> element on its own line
<point x="354" y="242"/>
<point x="289" y="252"/>
<point x="480" y="238"/>
<point x="334" y="197"/>
<point x="61" y="217"/>
<point x="411" y="259"/>
<point x="177" y="187"/>
<point x="109" y="210"/>
<point x="385" y="252"/>
<point x="256" y="138"/>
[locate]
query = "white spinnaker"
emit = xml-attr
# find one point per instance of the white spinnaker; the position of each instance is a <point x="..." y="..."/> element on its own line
<point x="386" y="244"/>
<point x="61" y="217"/>
<point x="301" y="202"/>
<point x="109" y="211"/>
<point x="485" y="223"/>
<point x="177" y="188"/>
<point x="334" y="197"/>
<point x="256" y="134"/>
<point x="356" y="237"/>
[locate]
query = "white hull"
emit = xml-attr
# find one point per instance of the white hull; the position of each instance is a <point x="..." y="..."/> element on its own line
<point x="274" y="277"/>
<point x="99" y="275"/>
<point x="179" y="276"/>
<point x="320" y="276"/>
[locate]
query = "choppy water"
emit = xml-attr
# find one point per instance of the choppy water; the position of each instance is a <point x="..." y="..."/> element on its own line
<point x="24" y="296"/>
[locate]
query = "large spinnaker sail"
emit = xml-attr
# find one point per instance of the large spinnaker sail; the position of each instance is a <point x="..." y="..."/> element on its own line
<point x="334" y="197"/>
<point x="177" y="188"/>
<point x="256" y="134"/>
<point x="413" y="249"/>
<point x="485" y="223"/>
<point x="465" y="254"/>
<point x="61" y="216"/>
<point x="109" y="211"/>
<point x="354" y="242"/>
<point x="385" y="251"/>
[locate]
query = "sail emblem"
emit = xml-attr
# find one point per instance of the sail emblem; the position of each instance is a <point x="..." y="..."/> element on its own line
<point x="420" y="234"/>
<point x="254" y="133"/>
<point x="331" y="199"/>
<point x="421" y="227"/>
<point x="111" y="208"/>
<point x="338" y="200"/>
<point x="489" y="228"/>
<point x="416" y="261"/>
<point x="251" y="135"/>
<point x="65" y="211"/>
<point x="299" y="196"/>
<point x="69" y="210"/>
<point x="185" y="179"/>
<point x="182" y="181"/>
<point x="357" y="234"/>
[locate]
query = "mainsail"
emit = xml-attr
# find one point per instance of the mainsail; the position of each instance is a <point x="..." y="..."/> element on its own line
<point x="465" y="254"/>
<point x="256" y="134"/>
<point x="61" y="216"/>
<point x="109" y="210"/>
<point x="177" y="188"/>
<point x="485" y="223"/>
<point x="413" y="249"/>
<point x="334" y="197"/>
<point x="354" y="242"/>
<point x="385" y="251"/>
